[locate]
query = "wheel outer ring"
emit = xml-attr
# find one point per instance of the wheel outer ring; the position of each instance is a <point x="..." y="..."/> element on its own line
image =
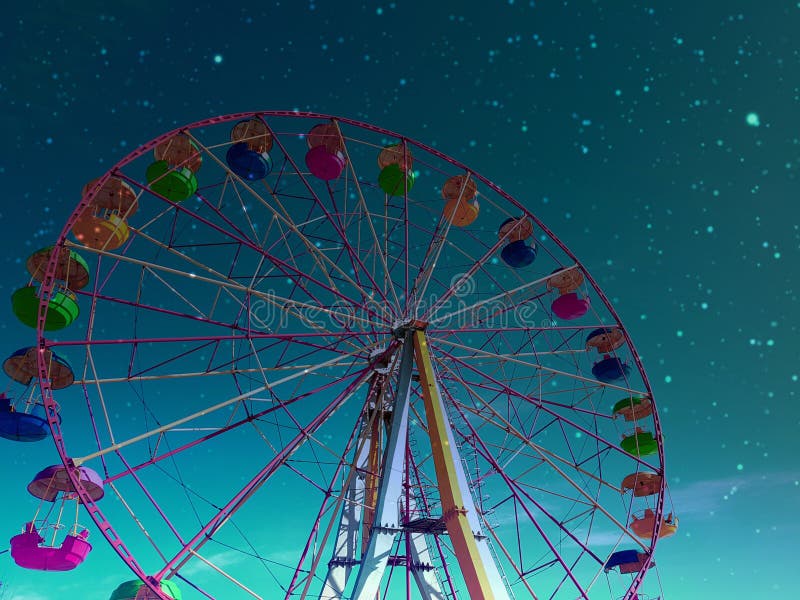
<point x="49" y="281"/>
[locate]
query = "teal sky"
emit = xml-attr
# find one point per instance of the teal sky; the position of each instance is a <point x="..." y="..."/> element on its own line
<point x="659" y="141"/>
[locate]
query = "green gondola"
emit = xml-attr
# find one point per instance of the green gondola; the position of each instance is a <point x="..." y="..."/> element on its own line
<point x="174" y="184"/>
<point x="627" y="403"/>
<point x="391" y="180"/>
<point x="130" y="590"/>
<point x="62" y="308"/>
<point x="641" y="443"/>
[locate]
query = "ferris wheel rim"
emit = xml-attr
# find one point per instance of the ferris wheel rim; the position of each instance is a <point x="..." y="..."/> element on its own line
<point x="48" y="285"/>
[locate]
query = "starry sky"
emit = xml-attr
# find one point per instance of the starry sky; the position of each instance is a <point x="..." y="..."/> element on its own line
<point x="658" y="140"/>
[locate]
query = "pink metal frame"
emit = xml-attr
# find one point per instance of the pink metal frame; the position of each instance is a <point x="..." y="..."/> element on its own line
<point x="489" y="384"/>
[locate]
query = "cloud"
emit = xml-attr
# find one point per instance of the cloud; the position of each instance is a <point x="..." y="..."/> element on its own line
<point x="708" y="495"/>
<point x="221" y="560"/>
<point x="604" y="537"/>
<point x="26" y="594"/>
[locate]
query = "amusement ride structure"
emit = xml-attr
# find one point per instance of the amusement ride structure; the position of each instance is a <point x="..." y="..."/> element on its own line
<point x="289" y="355"/>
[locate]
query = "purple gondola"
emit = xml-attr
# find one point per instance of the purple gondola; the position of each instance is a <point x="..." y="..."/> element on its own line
<point x="51" y="481"/>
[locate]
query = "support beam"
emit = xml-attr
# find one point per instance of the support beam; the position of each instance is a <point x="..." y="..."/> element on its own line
<point x="372" y="479"/>
<point x="387" y="522"/>
<point x="380" y="518"/>
<point x="421" y="565"/>
<point x="480" y="572"/>
<point x="346" y="552"/>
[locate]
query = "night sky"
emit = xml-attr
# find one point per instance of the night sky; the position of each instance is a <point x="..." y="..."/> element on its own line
<point x="659" y="141"/>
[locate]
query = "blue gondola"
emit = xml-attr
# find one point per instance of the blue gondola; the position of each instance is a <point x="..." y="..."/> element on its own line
<point x="611" y="369"/>
<point x="518" y="254"/>
<point x="248" y="164"/>
<point x="21" y="426"/>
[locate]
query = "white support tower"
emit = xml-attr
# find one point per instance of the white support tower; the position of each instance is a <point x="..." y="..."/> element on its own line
<point x="346" y="551"/>
<point x="370" y="560"/>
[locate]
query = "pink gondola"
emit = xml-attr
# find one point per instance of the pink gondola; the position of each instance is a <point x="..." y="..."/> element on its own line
<point x="325" y="164"/>
<point x="325" y="157"/>
<point x="28" y="551"/>
<point x="570" y="306"/>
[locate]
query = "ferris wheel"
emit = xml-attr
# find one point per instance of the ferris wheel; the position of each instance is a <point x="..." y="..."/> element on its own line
<point x="290" y="355"/>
